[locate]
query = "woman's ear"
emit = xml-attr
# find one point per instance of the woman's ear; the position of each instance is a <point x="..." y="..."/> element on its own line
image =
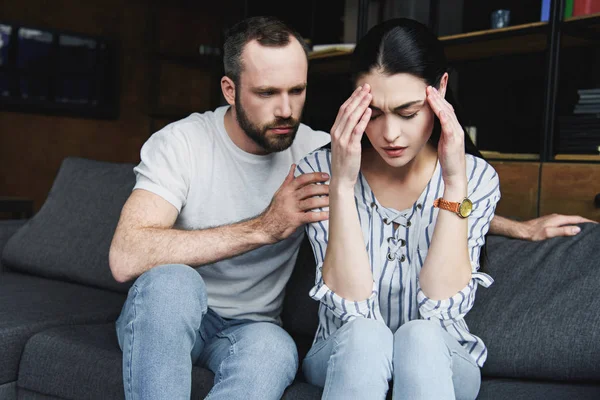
<point x="228" y="89"/>
<point x="443" y="84"/>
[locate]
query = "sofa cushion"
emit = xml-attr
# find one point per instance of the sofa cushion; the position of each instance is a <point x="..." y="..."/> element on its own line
<point x="69" y="238"/>
<point x="7" y="229"/>
<point x="541" y="317"/>
<point x="516" y="389"/>
<point x="84" y="361"/>
<point x="30" y="304"/>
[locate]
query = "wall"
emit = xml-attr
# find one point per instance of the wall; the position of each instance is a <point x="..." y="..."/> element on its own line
<point x="32" y="146"/>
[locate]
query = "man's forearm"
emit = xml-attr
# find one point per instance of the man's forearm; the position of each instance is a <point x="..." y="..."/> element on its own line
<point x="136" y="250"/>
<point x="507" y="227"/>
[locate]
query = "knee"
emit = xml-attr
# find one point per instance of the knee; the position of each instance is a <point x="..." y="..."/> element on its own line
<point x="367" y="338"/>
<point x="417" y="334"/>
<point x="174" y="289"/>
<point x="274" y="345"/>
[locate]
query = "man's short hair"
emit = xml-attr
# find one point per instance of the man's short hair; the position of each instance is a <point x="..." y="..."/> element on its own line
<point x="268" y="31"/>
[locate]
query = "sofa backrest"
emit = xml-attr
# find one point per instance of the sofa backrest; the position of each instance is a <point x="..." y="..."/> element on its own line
<point x="541" y="317"/>
<point x="69" y="238"/>
<point x="300" y="311"/>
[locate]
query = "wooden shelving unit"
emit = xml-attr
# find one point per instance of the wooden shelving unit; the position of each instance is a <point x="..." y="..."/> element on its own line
<point x="526" y="38"/>
<point x="496" y="155"/>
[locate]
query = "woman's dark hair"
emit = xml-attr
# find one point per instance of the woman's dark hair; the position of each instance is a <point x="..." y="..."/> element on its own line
<point x="403" y="45"/>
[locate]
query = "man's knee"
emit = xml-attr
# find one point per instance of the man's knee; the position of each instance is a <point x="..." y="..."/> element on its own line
<point x="173" y="289"/>
<point x="275" y="346"/>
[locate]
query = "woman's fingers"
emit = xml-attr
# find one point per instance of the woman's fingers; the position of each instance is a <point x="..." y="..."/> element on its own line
<point x="354" y="118"/>
<point x="352" y="113"/>
<point x="342" y="109"/>
<point x="444" y="110"/>
<point x="358" y="131"/>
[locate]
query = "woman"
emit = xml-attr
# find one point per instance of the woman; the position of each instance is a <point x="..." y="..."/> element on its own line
<point x="398" y="259"/>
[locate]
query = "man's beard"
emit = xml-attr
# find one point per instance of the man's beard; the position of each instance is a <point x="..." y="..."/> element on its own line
<point x="270" y="143"/>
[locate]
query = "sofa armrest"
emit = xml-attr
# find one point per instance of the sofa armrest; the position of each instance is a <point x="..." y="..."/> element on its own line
<point x="7" y="229"/>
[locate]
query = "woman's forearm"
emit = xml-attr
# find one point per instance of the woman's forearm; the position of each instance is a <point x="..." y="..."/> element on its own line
<point x="346" y="268"/>
<point x="447" y="268"/>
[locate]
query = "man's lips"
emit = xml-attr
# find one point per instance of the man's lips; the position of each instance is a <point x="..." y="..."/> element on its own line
<point x="281" y="129"/>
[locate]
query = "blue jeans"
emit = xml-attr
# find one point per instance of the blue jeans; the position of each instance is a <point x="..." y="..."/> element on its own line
<point x="165" y="327"/>
<point x="360" y="358"/>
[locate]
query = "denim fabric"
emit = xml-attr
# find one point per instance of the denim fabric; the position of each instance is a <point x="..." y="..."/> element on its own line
<point x="423" y="360"/>
<point x="165" y="327"/>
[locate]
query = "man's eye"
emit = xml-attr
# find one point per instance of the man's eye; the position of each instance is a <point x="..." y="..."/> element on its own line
<point x="265" y="94"/>
<point x="374" y="116"/>
<point x="297" y="91"/>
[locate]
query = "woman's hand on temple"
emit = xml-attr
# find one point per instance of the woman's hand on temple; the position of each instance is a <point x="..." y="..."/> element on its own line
<point x="451" y="147"/>
<point x="346" y="135"/>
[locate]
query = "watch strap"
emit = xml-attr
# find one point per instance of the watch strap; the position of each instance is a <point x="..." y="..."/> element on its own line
<point x="447" y="205"/>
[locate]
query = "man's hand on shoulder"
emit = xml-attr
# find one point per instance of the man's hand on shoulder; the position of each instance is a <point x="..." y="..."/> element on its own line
<point x="292" y="205"/>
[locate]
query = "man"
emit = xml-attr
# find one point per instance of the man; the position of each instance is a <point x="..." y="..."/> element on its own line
<point x="209" y="194"/>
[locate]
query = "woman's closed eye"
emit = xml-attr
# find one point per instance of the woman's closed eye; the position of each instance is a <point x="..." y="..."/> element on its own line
<point x="375" y="115"/>
<point x="410" y="116"/>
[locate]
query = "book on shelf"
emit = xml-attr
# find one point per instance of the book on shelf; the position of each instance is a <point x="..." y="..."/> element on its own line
<point x="585" y="7"/>
<point x="579" y="134"/>
<point x="545" y="12"/>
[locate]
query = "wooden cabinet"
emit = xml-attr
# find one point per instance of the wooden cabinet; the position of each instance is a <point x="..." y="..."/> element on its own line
<point x="519" y="184"/>
<point x="569" y="188"/>
<point x="565" y="188"/>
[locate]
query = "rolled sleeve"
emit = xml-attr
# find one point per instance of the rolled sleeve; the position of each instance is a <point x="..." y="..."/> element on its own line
<point x="343" y="309"/>
<point x="165" y="168"/>
<point x="453" y="309"/>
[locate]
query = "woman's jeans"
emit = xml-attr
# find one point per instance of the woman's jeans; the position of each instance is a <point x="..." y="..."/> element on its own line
<point x="423" y="360"/>
<point x="165" y="327"/>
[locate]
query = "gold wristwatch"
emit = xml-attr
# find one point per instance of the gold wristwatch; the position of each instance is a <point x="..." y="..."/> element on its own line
<point x="462" y="209"/>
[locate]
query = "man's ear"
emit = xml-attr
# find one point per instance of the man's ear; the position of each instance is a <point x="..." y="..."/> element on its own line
<point x="443" y="84"/>
<point x="228" y="89"/>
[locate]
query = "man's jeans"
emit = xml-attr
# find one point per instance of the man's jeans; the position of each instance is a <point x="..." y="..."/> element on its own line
<point x="424" y="361"/>
<point x="165" y="327"/>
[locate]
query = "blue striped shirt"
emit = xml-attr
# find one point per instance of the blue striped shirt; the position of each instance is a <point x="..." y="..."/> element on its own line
<point x="397" y="255"/>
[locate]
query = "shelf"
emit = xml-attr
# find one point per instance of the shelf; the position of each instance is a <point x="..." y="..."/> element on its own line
<point x="577" y="157"/>
<point x="589" y="18"/>
<point x="495" y="155"/>
<point x="584" y="28"/>
<point x="526" y="38"/>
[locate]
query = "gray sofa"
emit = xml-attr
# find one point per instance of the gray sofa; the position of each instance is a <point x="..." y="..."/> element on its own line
<point x="58" y="303"/>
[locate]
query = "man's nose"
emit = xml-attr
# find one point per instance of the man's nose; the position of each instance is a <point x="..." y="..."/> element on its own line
<point x="284" y="108"/>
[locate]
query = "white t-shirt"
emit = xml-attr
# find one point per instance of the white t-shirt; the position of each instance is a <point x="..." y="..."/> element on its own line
<point x="194" y="165"/>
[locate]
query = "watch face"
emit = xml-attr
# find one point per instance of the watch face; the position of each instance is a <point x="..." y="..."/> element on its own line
<point x="465" y="208"/>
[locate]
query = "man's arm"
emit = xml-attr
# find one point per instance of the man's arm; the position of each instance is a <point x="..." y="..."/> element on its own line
<point x="536" y="229"/>
<point x="145" y="237"/>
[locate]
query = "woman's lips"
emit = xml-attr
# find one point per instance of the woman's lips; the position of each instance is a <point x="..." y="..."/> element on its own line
<point x="394" y="151"/>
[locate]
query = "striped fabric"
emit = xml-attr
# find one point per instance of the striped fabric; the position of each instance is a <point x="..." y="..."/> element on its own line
<point x="397" y="256"/>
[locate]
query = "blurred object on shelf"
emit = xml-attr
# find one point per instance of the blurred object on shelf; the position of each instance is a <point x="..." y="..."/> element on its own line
<point x="500" y="19"/>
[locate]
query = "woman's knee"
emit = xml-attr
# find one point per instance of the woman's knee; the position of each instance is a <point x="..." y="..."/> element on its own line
<point x="417" y="334"/>
<point x="366" y="337"/>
